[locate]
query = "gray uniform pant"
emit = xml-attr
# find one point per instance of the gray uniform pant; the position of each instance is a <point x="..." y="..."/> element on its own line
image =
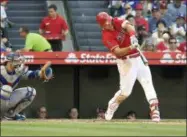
<point x="19" y="100"/>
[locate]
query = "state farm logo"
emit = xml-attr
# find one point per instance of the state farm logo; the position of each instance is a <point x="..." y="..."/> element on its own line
<point x="97" y="58"/>
<point x="71" y="58"/>
<point x="90" y="58"/>
<point x="28" y="58"/>
<point x="178" y="59"/>
<point x="166" y="59"/>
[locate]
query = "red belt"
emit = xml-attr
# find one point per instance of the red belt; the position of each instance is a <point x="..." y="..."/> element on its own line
<point x="131" y="56"/>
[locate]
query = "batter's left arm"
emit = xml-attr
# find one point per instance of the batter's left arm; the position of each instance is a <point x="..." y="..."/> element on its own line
<point x="131" y="31"/>
<point x="134" y="41"/>
<point x="128" y="27"/>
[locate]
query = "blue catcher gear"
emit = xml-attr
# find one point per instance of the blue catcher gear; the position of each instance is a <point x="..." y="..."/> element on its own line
<point x="14" y="57"/>
<point x="17" y="61"/>
<point x="6" y="91"/>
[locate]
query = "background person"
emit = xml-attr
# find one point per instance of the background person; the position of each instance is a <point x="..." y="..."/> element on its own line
<point x="131" y="115"/>
<point x="156" y="16"/>
<point x="3" y="42"/>
<point x="182" y="47"/>
<point x="163" y="45"/>
<point x="139" y="19"/>
<point x="4" y="18"/>
<point x="148" y="45"/>
<point x="175" y="8"/>
<point x="100" y="113"/>
<point x="42" y="113"/>
<point x="172" y="45"/>
<point x="128" y="11"/>
<point x="116" y="7"/>
<point x="74" y="114"/>
<point x="179" y="28"/>
<point x="54" y="28"/>
<point x="157" y="35"/>
<point x="34" y="41"/>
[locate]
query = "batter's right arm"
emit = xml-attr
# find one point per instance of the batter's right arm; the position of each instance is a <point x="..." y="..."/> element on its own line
<point x="120" y="52"/>
<point x="111" y="43"/>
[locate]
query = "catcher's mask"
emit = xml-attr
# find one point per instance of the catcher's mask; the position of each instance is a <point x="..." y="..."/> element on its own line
<point x="17" y="61"/>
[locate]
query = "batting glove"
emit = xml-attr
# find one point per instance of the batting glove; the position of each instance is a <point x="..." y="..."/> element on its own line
<point x="134" y="42"/>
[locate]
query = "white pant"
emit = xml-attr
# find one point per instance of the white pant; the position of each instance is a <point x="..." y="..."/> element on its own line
<point x="132" y="69"/>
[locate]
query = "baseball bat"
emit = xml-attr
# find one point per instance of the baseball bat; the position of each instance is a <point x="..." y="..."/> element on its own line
<point x="145" y="61"/>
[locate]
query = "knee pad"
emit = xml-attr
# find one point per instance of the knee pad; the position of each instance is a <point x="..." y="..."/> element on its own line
<point x="31" y="93"/>
<point x="6" y="92"/>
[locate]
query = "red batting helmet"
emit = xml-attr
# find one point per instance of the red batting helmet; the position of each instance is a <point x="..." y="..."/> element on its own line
<point x="102" y="17"/>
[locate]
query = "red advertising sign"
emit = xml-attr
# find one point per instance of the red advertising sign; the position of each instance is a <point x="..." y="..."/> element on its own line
<point x="97" y="58"/>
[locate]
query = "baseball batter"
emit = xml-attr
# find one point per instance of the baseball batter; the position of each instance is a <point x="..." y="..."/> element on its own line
<point x="13" y="101"/>
<point x="119" y="37"/>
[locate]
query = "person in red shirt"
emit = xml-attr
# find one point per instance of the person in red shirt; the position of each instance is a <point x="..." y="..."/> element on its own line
<point x="139" y="19"/>
<point x="182" y="47"/>
<point x="54" y="28"/>
<point x="172" y="45"/>
<point x="164" y="45"/>
<point x="118" y="35"/>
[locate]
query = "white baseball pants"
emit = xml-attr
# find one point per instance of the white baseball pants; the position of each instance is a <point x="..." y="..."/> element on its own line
<point x="131" y="69"/>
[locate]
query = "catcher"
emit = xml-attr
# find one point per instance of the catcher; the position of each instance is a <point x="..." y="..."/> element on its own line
<point x="13" y="101"/>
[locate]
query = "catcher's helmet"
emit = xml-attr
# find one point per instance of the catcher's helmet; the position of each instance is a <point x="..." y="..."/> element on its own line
<point x="15" y="58"/>
<point x="102" y="18"/>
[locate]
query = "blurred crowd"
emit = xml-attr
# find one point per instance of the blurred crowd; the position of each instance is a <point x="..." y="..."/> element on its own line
<point x="5" y="25"/>
<point x="73" y="114"/>
<point x="160" y="24"/>
<point x="52" y="31"/>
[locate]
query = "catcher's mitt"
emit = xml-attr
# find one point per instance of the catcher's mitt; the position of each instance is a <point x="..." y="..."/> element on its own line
<point x="46" y="72"/>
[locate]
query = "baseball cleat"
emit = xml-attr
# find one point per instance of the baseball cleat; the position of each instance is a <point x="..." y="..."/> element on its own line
<point x="156" y="119"/>
<point x="155" y="116"/>
<point x="155" y="113"/>
<point x="16" y="117"/>
<point x="110" y="111"/>
<point x="109" y="115"/>
<point x="19" y="117"/>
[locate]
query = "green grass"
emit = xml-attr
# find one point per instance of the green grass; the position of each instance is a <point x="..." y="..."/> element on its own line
<point x="93" y="128"/>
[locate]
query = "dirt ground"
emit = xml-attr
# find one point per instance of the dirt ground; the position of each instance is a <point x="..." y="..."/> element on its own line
<point x="166" y="121"/>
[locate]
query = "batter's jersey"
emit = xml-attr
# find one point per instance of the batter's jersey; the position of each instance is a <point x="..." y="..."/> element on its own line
<point x="12" y="79"/>
<point x="117" y="37"/>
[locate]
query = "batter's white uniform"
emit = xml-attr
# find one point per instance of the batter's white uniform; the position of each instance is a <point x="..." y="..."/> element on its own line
<point x="131" y="67"/>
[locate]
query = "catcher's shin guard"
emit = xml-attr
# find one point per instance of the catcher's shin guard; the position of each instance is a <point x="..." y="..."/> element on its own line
<point x="154" y="107"/>
<point x="25" y="102"/>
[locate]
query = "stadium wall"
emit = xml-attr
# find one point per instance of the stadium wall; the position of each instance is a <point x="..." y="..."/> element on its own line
<point x="88" y="87"/>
